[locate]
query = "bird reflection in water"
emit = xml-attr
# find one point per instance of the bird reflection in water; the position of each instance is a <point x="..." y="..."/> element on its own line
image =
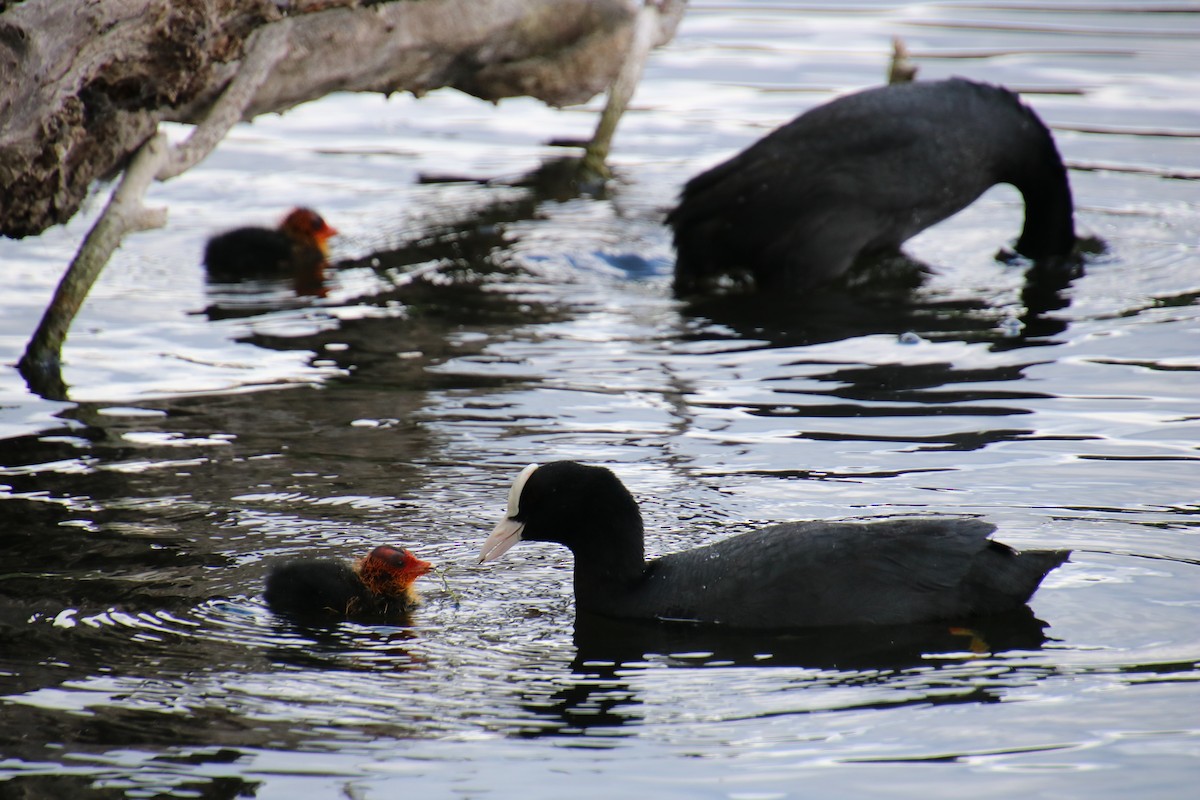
<point x="602" y="692"/>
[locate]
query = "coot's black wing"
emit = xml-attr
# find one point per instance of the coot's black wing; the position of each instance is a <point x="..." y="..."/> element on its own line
<point x="819" y="573"/>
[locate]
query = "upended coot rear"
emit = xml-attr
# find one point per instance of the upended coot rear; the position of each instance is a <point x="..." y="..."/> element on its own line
<point x="798" y="574"/>
<point x="861" y="175"/>
<point x="378" y="585"/>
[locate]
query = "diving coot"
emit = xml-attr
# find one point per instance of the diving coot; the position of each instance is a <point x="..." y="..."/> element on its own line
<point x="377" y="585"/>
<point x="861" y="175"/>
<point x="798" y="574"/>
<point x="298" y="246"/>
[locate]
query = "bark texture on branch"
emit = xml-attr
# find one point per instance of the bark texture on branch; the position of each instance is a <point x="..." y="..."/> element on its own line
<point x="84" y="83"/>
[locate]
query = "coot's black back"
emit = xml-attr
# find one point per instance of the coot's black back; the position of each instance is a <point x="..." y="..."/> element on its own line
<point x="862" y="174"/>
<point x="814" y="574"/>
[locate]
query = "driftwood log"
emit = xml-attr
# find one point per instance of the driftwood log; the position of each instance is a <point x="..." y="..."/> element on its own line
<point x="84" y="83"/>
<point x="83" y="86"/>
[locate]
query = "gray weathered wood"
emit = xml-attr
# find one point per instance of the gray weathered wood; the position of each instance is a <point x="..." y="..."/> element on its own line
<point x="83" y="83"/>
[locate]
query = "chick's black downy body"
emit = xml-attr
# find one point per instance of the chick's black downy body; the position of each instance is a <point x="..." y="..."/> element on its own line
<point x="378" y="585"/>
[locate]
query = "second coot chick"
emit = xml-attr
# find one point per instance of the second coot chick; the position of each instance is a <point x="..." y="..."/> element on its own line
<point x="297" y="247"/>
<point x="860" y="176"/>
<point x="377" y="585"/>
<point x="794" y="575"/>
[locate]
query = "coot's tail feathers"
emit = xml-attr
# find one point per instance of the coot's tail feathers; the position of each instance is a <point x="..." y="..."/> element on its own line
<point x="1002" y="578"/>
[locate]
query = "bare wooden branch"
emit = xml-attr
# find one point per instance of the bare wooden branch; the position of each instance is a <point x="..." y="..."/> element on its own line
<point x="621" y="91"/>
<point x="901" y="69"/>
<point x="265" y="48"/>
<point x="125" y="213"/>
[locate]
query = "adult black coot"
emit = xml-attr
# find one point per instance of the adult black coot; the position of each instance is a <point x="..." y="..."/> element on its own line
<point x="861" y="175"/>
<point x="798" y="574"/>
<point x="297" y="247"/>
<point x="378" y="585"/>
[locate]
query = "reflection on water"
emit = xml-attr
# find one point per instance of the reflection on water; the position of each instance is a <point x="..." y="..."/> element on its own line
<point x="471" y="326"/>
<point x="882" y="647"/>
<point x="912" y="664"/>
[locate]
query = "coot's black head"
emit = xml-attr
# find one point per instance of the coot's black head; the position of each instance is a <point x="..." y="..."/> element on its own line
<point x="585" y="508"/>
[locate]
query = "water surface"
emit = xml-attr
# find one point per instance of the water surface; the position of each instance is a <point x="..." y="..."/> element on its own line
<point x="478" y="324"/>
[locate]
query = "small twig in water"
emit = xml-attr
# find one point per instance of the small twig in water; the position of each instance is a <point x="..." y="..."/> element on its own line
<point x="455" y="596"/>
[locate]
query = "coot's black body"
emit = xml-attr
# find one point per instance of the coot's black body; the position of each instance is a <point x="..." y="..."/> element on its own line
<point x="378" y="585"/>
<point x="798" y="574"/>
<point x="861" y="175"/>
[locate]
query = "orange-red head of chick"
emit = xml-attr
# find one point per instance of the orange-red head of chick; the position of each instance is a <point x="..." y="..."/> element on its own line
<point x="389" y="573"/>
<point x="305" y="226"/>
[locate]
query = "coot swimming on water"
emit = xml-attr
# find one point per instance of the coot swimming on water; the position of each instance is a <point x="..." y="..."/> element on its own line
<point x="861" y="175"/>
<point x="794" y="575"/>
<point x="378" y="585"/>
<point x="298" y="245"/>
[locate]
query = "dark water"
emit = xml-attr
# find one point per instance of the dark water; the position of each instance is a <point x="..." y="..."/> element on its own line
<point x="214" y="430"/>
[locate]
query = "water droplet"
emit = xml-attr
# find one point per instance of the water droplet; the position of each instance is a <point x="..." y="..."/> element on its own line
<point x="1011" y="326"/>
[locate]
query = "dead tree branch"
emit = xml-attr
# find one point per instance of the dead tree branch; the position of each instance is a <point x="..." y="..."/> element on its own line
<point x="84" y="84"/>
